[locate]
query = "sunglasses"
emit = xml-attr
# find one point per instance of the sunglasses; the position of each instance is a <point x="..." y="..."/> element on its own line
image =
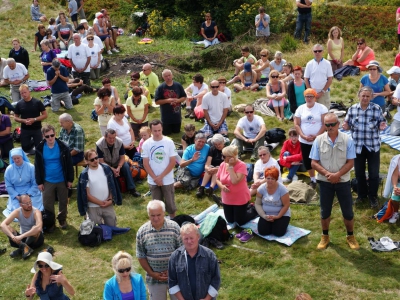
<point x="49" y="136"/>
<point x="360" y="44"/>
<point x="309" y="97"/>
<point x="145" y="70"/>
<point x="317" y="51"/>
<point x="222" y="82"/>
<point x="263" y="55"/>
<point x="27" y="203"/>
<point x="93" y="159"/>
<point x="262" y="154"/>
<point x="215" y="86"/>
<point x="90" y="39"/>
<point x="275" y="76"/>
<point x="124" y="270"/>
<point x="40" y="266"/>
<point x="331" y="124"/>
<point x="372" y="69"/>
<point x="249" y="112"/>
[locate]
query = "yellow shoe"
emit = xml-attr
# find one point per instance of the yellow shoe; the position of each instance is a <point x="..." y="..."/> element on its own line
<point x="323" y="244"/>
<point x="351" y="240"/>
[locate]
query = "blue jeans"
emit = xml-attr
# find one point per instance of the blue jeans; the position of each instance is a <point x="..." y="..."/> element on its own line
<point x="303" y="20"/>
<point x="292" y="169"/>
<point x="373" y="160"/>
<point x="342" y="190"/>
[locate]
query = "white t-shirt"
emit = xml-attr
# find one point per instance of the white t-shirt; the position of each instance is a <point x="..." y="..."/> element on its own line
<point x="310" y="118"/>
<point x="94" y="54"/>
<point x="228" y="93"/>
<point x="250" y="129"/>
<point x="259" y="167"/>
<point x="215" y="105"/>
<point x="122" y="131"/>
<point x="159" y="154"/>
<point x="396" y="94"/>
<point x="318" y="73"/>
<point x="195" y="90"/>
<point x="98" y="180"/>
<point x="79" y="55"/>
<point x="96" y="41"/>
<point x="276" y="66"/>
<point x="18" y="73"/>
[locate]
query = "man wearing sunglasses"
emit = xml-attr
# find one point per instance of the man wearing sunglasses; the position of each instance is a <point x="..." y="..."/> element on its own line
<point x="30" y="236"/>
<point x="97" y="191"/>
<point x="54" y="173"/>
<point x="149" y="79"/>
<point x="250" y="131"/>
<point x="333" y="155"/>
<point x="318" y="76"/>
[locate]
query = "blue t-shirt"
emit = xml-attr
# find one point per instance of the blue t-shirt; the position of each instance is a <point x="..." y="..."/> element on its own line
<point x="378" y="87"/>
<point x="47" y="57"/>
<point x="52" y="161"/>
<point x="196" y="167"/>
<point x="60" y="86"/>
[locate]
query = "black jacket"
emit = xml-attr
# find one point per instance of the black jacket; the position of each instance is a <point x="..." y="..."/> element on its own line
<point x="292" y="96"/>
<point x="66" y="163"/>
<point x="22" y="57"/>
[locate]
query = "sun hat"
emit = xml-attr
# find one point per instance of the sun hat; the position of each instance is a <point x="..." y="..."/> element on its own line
<point x="47" y="258"/>
<point x="247" y="67"/>
<point x="310" y="91"/>
<point x="387" y="242"/>
<point x="83" y="21"/>
<point x="221" y="78"/>
<point x="86" y="227"/>
<point x="99" y="16"/>
<point x="374" y="63"/>
<point x="393" y="70"/>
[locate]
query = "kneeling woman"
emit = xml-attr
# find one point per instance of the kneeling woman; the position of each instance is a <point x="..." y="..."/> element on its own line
<point x="272" y="204"/>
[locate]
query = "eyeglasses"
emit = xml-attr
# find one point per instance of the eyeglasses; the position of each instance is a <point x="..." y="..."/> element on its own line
<point x="124" y="270"/>
<point x="27" y="203"/>
<point x="263" y="55"/>
<point x="318" y="51"/>
<point x="331" y="124"/>
<point x="249" y="112"/>
<point x="93" y="159"/>
<point x="309" y="97"/>
<point x="40" y="266"/>
<point x="90" y="39"/>
<point x="145" y="70"/>
<point x="359" y="44"/>
<point x="262" y="154"/>
<point x="49" y="136"/>
<point x="215" y="86"/>
<point x="222" y="82"/>
<point x="275" y="76"/>
<point x="372" y="69"/>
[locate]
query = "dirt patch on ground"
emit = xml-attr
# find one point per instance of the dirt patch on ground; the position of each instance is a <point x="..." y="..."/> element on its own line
<point x="5" y="6"/>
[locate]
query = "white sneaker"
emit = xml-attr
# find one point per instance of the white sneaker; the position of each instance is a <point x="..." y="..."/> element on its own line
<point x="295" y="178"/>
<point x="394" y="218"/>
<point x="109" y="52"/>
<point x="286" y="180"/>
<point x="115" y="50"/>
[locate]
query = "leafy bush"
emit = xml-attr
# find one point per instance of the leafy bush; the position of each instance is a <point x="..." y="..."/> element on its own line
<point x="288" y="43"/>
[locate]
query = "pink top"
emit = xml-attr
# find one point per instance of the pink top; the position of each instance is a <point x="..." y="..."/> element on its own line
<point x="398" y="25"/>
<point x="370" y="56"/>
<point x="239" y="193"/>
<point x="138" y="148"/>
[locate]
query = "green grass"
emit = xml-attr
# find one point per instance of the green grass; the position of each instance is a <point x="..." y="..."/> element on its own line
<point x="281" y="272"/>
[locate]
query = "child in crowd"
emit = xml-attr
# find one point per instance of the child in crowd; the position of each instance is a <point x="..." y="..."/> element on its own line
<point x="145" y="134"/>
<point x="53" y="44"/>
<point x="188" y="137"/>
<point x="290" y="156"/>
<point x="53" y="27"/>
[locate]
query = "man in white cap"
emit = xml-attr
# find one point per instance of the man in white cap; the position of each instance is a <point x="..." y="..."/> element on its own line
<point x="394" y="78"/>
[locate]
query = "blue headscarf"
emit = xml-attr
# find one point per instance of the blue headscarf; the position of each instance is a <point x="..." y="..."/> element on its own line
<point x="20" y="152"/>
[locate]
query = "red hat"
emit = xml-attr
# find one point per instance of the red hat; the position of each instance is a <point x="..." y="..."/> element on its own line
<point x="100" y="16"/>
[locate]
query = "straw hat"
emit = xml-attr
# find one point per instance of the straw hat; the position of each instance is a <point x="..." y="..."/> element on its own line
<point x="47" y="258"/>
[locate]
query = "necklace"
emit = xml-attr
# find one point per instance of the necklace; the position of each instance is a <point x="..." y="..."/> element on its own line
<point x="20" y="173"/>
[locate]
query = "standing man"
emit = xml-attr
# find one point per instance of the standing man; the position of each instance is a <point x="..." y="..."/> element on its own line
<point x="15" y="74"/>
<point x="216" y="106"/>
<point x="111" y="151"/>
<point x="318" y="76"/>
<point x="253" y="131"/>
<point x="57" y="79"/>
<point x="188" y="265"/>
<point x="332" y="157"/>
<point x="170" y="95"/>
<point x="365" y="120"/>
<point x="156" y="240"/>
<point x="158" y="154"/>
<point x="54" y="173"/>
<point x="30" y="221"/>
<point x="73" y="135"/>
<point x="79" y="55"/>
<point x="149" y="79"/>
<point x="303" y="19"/>
<point x="30" y="112"/>
<point x="97" y="191"/>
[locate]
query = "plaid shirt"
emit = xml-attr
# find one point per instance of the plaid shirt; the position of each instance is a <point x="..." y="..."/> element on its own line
<point x="364" y="126"/>
<point x="75" y="139"/>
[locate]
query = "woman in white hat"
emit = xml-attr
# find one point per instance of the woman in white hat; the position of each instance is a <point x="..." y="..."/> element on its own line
<point x="49" y="281"/>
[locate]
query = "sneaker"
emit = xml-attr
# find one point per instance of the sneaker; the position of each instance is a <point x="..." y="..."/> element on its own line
<point x="109" y="52"/>
<point x="394" y="218"/>
<point x="240" y="234"/>
<point x="188" y="112"/>
<point x="247" y="236"/>
<point x="313" y="185"/>
<point x="134" y="193"/>
<point x="323" y="244"/>
<point x="286" y="180"/>
<point x="200" y="192"/>
<point x="209" y="191"/>
<point x="26" y="250"/>
<point x="351" y="240"/>
<point x="115" y="50"/>
<point x="50" y="249"/>
<point x="253" y="158"/>
<point x="374" y="202"/>
<point x="192" y="115"/>
<point x="63" y="225"/>
<point x="214" y="242"/>
<point x="295" y="178"/>
<point x="16" y="253"/>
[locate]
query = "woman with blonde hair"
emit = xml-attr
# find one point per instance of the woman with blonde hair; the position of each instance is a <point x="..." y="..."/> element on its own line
<point x="125" y="284"/>
<point x="276" y="92"/>
<point x="262" y="66"/>
<point x="335" y="46"/>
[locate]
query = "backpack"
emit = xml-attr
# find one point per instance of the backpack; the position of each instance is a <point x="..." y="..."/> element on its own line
<point x="94" y="115"/>
<point x="138" y="172"/>
<point x="220" y="231"/>
<point x="92" y="239"/>
<point x="250" y="172"/>
<point x="17" y="134"/>
<point x="180" y="219"/>
<point x="122" y="184"/>
<point x="275" y="135"/>
<point x="49" y="219"/>
<point x="385" y="212"/>
<point x="3" y="190"/>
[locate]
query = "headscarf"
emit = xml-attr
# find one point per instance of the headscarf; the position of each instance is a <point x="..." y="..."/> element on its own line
<point x="20" y="152"/>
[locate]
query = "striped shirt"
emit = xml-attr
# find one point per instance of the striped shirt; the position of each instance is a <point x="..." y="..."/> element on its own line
<point x="157" y="245"/>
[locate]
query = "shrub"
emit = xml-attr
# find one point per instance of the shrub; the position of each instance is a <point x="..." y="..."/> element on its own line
<point x="288" y="43"/>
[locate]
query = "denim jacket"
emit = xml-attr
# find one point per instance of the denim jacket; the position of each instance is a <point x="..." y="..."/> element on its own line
<point x="207" y="274"/>
<point x="82" y="195"/>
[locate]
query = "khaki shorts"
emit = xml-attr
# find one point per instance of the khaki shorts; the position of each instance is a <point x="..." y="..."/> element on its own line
<point x="164" y="193"/>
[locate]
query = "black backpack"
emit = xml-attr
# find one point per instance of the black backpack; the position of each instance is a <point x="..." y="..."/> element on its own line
<point x="92" y="239"/>
<point x="49" y="219"/>
<point x="220" y="231"/>
<point x="275" y="135"/>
